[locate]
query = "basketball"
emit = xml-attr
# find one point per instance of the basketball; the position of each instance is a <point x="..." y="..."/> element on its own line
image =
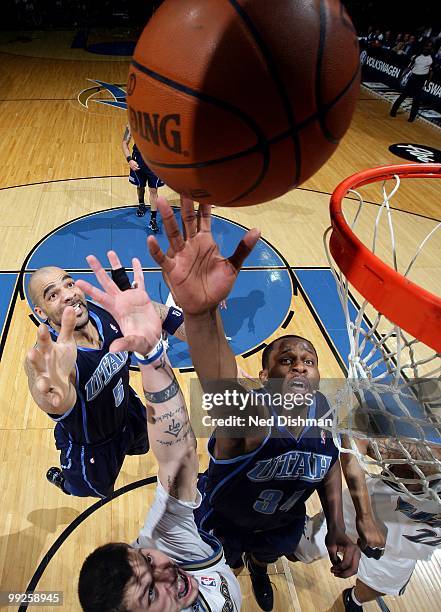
<point x="235" y="102"/>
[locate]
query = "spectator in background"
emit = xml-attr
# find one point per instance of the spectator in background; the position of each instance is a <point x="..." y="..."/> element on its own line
<point x="387" y="40"/>
<point x="421" y="67"/>
<point x="399" y="46"/>
<point x="375" y="37"/>
<point x="409" y="48"/>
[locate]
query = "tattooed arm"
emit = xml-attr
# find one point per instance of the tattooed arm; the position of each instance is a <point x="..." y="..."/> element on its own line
<point x="171" y="437"/>
<point x="170" y="433"/>
<point x="125" y="147"/>
<point x="126" y="141"/>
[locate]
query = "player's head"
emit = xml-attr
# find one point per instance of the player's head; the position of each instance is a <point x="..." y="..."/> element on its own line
<point x="119" y="578"/>
<point x="292" y="360"/>
<point x="51" y="290"/>
<point x="428" y="47"/>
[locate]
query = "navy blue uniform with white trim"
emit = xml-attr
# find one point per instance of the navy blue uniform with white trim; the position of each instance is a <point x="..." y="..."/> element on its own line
<point x="108" y="420"/>
<point x="256" y="502"/>
<point x="144" y="176"/>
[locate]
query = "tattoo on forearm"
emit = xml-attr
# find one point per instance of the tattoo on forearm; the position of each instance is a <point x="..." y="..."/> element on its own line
<point x="159" y="397"/>
<point x="174" y="429"/>
<point x="162" y="364"/>
<point x="127" y="135"/>
<point x="187" y="432"/>
<point x="167" y="415"/>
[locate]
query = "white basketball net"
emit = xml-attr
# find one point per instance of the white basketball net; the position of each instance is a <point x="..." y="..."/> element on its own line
<point x="392" y="395"/>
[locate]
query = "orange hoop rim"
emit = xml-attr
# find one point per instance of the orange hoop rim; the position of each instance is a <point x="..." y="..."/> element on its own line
<point x="403" y="302"/>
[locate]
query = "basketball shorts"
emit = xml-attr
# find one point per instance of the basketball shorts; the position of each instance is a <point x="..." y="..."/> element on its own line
<point x="144" y="176"/>
<point x="266" y="546"/>
<point x="91" y="470"/>
<point x="407" y="540"/>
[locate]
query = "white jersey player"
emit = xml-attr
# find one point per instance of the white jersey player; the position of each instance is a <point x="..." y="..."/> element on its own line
<point x="394" y="530"/>
<point x="170" y="567"/>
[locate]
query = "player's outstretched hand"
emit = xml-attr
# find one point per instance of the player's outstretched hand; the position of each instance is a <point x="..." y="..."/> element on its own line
<point x="50" y="363"/>
<point x="344" y="554"/>
<point x="199" y="277"/>
<point x="133" y="310"/>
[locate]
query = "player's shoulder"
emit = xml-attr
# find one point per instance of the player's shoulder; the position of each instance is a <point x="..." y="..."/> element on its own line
<point x="99" y="311"/>
<point x="322" y="405"/>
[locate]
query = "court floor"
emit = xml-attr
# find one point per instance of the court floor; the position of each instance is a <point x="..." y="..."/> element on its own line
<point x="64" y="193"/>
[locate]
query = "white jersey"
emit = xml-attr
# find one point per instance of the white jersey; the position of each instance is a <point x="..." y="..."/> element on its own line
<point x="170" y="528"/>
<point x="422" y="64"/>
<point x="413" y="531"/>
<point x="413" y="527"/>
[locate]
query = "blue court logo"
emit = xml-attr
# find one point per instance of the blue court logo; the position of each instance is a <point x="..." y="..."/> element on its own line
<point x="117" y="95"/>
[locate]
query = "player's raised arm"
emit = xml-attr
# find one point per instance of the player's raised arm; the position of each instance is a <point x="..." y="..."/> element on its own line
<point x="200" y="278"/>
<point x="170" y="434"/>
<point x="172" y="318"/>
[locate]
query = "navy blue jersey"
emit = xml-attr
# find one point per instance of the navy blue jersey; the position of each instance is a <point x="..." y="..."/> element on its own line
<point x="102" y="385"/>
<point x="267" y="488"/>
<point x="136" y="154"/>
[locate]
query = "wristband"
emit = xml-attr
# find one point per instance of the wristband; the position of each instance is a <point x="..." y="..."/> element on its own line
<point x="120" y="278"/>
<point x="154" y="354"/>
<point x="129" y="158"/>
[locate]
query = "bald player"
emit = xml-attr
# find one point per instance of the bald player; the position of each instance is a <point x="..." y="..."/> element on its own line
<point x="82" y="386"/>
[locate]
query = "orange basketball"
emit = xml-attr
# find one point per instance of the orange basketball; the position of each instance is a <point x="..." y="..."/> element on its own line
<point x="234" y="102"/>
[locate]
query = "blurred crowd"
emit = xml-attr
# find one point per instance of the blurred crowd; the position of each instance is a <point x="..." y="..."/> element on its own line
<point x="404" y="43"/>
<point x="33" y="14"/>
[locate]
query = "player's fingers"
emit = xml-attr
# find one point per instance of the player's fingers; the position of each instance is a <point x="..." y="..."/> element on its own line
<point x="96" y="294"/>
<point x="44" y="339"/>
<point x="171" y="225"/>
<point x="204" y="218"/>
<point x="158" y="255"/>
<point x="104" y="279"/>
<point x="68" y="320"/>
<point x="114" y="260"/>
<point x="349" y="563"/>
<point x="332" y="552"/>
<point x="189" y="217"/>
<point x="138" y="274"/>
<point x="244" y="248"/>
<point x="36" y="360"/>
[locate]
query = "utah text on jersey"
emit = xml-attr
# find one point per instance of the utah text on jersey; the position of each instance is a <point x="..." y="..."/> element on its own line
<point x="109" y="365"/>
<point x="293" y="465"/>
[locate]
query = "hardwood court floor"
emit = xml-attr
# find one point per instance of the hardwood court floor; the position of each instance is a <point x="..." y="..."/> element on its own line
<point x="51" y="148"/>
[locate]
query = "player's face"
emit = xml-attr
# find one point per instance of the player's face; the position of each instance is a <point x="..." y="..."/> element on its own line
<point x="293" y="361"/>
<point x="55" y="291"/>
<point x="158" y="584"/>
